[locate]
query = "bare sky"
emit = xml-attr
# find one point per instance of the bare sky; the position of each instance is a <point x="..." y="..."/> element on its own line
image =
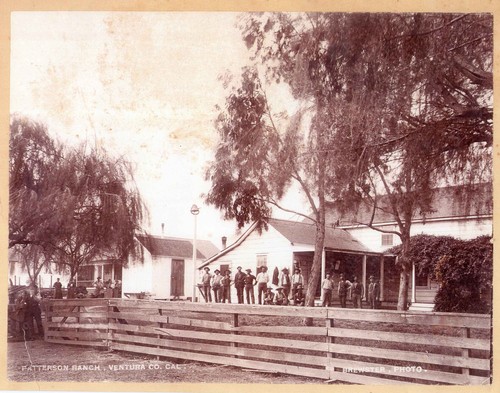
<point x="142" y="85"/>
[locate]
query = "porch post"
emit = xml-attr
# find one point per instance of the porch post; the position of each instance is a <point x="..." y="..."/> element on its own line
<point x="413" y="286"/>
<point x="381" y="277"/>
<point x="364" y="275"/>
<point x="323" y="267"/>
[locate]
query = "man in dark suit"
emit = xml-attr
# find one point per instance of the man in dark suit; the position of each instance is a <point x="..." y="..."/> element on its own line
<point x="373" y="293"/>
<point x="239" y="283"/>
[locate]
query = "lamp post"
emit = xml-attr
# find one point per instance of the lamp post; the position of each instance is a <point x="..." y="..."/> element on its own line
<point x="194" y="211"/>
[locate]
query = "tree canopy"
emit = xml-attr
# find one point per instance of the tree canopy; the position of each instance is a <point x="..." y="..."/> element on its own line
<point x="74" y="204"/>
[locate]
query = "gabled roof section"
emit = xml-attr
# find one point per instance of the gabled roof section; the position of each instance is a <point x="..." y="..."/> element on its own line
<point x="305" y="233"/>
<point x="448" y="203"/>
<point x="176" y="247"/>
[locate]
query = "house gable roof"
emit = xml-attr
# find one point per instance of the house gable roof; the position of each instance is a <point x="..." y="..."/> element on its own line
<point x="176" y="247"/>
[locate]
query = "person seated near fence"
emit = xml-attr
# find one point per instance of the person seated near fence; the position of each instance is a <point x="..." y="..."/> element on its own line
<point x="71" y="289"/>
<point x="299" y="299"/>
<point x="269" y="297"/>
<point x="108" y="289"/>
<point x="117" y="290"/>
<point x="58" y="289"/>
<point x="206" y="280"/>
<point x="280" y="299"/>
<point x="226" y="287"/>
<point x="250" y="281"/>
<point x="99" y="288"/>
<point x="217" y="286"/>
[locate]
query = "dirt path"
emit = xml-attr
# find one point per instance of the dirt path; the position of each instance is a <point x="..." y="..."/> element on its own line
<point x="41" y="361"/>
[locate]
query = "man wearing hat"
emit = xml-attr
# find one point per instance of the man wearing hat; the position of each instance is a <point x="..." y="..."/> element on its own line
<point x="285" y="282"/>
<point x="327" y="287"/>
<point x="280" y="298"/>
<point x="297" y="279"/>
<point x="250" y="281"/>
<point x="373" y="293"/>
<point x="205" y="282"/>
<point x="299" y="298"/>
<point x="269" y="297"/>
<point x="239" y="284"/>
<point x="262" y="280"/>
<point x="342" y="290"/>
<point x="217" y="285"/>
<point x="356" y="293"/>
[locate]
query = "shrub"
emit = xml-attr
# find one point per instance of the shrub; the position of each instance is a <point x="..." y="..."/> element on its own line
<point x="463" y="269"/>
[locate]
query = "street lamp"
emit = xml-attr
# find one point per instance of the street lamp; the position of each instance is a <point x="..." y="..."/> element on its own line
<point x="194" y="211"/>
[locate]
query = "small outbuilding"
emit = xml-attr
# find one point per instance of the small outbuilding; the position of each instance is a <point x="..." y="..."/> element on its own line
<point x="165" y="269"/>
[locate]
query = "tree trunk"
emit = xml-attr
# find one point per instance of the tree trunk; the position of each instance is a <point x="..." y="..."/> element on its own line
<point x="314" y="276"/>
<point x="403" y="289"/>
<point x="404" y="276"/>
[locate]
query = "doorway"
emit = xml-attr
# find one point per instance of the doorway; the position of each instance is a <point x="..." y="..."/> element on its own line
<point x="177" y="278"/>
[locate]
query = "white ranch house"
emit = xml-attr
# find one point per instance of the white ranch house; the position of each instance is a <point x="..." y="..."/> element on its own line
<point x="290" y="244"/>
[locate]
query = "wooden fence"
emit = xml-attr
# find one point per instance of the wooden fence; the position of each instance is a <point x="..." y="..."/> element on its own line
<point x="349" y="345"/>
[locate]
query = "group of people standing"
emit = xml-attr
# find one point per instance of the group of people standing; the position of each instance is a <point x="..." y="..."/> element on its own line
<point x="355" y="289"/>
<point x="102" y="289"/>
<point x="288" y="291"/>
<point x="28" y="313"/>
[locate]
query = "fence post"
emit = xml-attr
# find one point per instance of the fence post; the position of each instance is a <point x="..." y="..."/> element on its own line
<point x="235" y="324"/>
<point x="158" y="336"/>
<point x="109" y="331"/>
<point x="329" y="340"/>
<point x="466" y="351"/>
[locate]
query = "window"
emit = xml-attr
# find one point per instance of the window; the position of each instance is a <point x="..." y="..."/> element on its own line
<point x="387" y="239"/>
<point x="261" y="260"/>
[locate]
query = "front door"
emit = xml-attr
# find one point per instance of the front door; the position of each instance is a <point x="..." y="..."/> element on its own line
<point x="177" y="278"/>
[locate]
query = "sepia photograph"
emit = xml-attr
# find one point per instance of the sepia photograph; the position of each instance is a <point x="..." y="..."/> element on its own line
<point x="239" y="197"/>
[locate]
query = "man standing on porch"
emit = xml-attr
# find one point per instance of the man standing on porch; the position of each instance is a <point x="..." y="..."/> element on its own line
<point x="356" y="293"/>
<point x="217" y="286"/>
<point x="262" y="280"/>
<point x="297" y="279"/>
<point x="285" y="281"/>
<point x="343" y="288"/>
<point x="373" y="293"/>
<point x="205" y="281"/>
<point x="327" y="286"/>
<point x="250" y="282"/>
<point x="239" y="283"/>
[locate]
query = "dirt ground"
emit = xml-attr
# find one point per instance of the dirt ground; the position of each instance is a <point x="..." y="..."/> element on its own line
<point x="41" y="361"/>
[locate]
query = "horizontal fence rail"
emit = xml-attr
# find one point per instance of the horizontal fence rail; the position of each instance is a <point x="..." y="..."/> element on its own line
<point x="347" y="345"/>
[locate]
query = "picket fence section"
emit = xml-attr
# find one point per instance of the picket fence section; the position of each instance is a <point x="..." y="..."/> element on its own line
<point x="348" y="345"/>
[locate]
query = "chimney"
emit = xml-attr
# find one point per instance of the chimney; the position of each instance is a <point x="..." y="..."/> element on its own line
<point x="224" y="242"/>
<point x="162" y="228"/>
